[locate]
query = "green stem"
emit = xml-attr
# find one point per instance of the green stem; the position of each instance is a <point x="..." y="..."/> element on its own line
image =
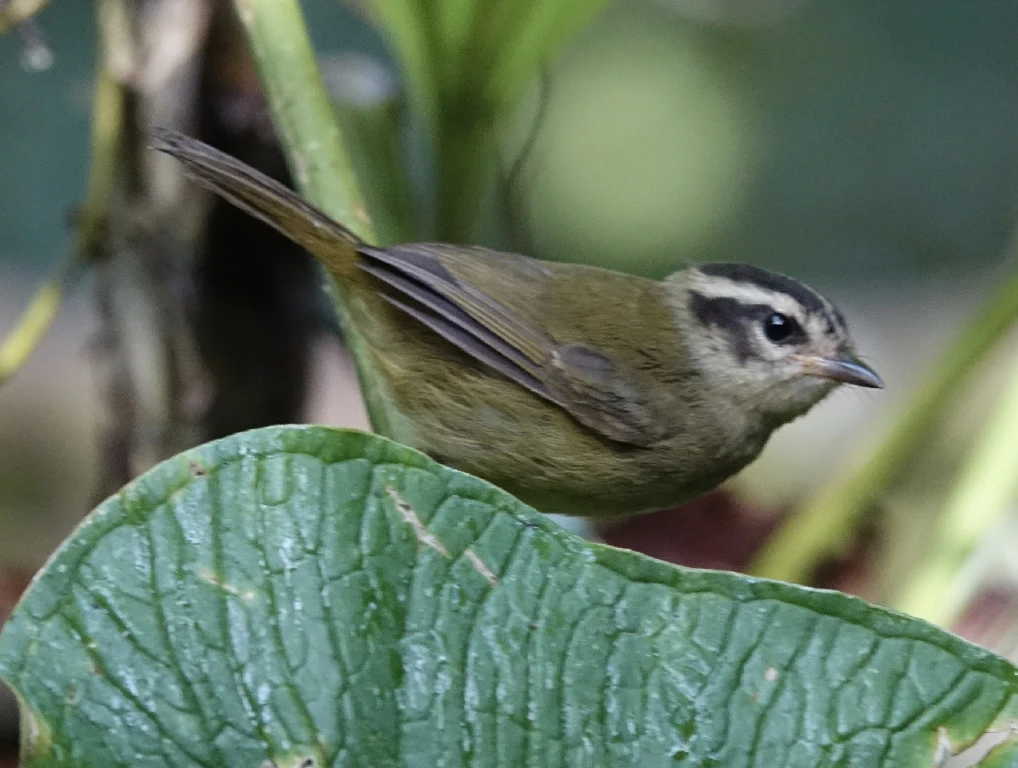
<point x="38" y="317"/>
<point x="35" y="321"/>
<point x="369" y="107"/>
<point x="826" y="523"/>
<point x="981" y="500"/>
<point x="464" y="164"/>
<point x="309" y="132"/>
<point x="372" y="135"/>
<point x="302" y="111"/>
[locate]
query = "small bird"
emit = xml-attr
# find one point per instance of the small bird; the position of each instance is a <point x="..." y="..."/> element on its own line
<point x="580" y="390"/>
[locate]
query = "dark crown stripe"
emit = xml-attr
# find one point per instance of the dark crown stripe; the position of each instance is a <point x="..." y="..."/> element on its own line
<point x="761" y="278"/>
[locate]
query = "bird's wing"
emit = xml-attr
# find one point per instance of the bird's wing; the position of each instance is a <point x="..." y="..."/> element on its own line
<point x="479" y="301"/>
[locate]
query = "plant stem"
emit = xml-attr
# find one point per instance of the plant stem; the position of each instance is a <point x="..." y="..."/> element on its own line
<point x="369" y="108"/>
<point x="309" y="132"/>
<point x="302" y="111"/>
<point x="35" y="321"/>
<point x="143" y="268"/>
<point x="826" y="523"/>
<point x="464" y="164"/>
<point x="107" y="117"/>
<point x="981" y="500"/>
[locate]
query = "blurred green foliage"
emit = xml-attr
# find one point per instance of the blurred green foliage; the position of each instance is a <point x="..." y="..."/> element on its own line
<point x="870" y="141"/>
<point x="466" y="62"/>
<point x="844" y="138"/>
<point x="44" y="132"/>
<point x="856" y="139"/>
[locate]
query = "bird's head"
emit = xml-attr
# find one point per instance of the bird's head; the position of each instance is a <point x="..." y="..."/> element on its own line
<point x="764" y="341"/>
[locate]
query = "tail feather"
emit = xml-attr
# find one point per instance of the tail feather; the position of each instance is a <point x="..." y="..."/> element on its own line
<point x="264" y="198"/>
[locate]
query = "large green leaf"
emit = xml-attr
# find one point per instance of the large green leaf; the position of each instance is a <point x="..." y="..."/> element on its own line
<point x="301" y="593"/>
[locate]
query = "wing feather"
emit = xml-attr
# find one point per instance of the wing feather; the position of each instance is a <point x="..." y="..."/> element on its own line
<point x="582" y="381"/>
<point x="429" y="271"/>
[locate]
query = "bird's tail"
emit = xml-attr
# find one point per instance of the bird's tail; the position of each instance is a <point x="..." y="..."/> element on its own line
<point x="264" y="198"/>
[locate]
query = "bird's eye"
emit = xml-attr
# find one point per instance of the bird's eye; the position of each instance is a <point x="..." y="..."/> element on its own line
<point x="779" y="327"/>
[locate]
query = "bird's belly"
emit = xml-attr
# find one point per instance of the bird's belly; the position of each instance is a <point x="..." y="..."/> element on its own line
<point x="432" y="397"/>
<point x="536" y="451"/>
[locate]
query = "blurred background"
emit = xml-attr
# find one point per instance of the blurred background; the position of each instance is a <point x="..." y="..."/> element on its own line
<point x="867" y="147"/>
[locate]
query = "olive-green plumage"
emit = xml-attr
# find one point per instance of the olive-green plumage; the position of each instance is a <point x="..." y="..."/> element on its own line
<point x="581" y="390"/>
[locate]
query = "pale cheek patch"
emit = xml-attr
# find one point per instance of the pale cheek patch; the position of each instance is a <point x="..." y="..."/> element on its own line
<point x="824" y="340"/>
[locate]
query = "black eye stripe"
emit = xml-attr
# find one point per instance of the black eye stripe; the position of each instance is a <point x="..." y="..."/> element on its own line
<point x="813" y="302"/>
<point x="724" y="310"/>
<point x="726" y="315"/>
<point x="734" y="317"/>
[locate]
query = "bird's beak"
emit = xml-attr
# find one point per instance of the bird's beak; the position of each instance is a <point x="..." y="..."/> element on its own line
<point x="845" y="370"/>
